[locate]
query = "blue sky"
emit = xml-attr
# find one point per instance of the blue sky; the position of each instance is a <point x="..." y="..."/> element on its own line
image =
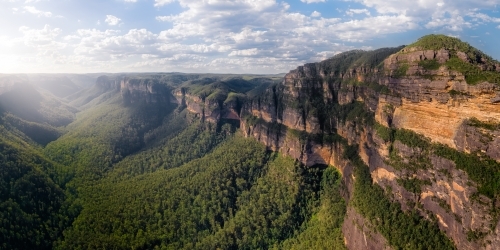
<point x="220" y="36"/>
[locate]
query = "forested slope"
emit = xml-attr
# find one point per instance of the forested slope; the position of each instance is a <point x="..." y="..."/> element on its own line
<point x="392" y="148"/>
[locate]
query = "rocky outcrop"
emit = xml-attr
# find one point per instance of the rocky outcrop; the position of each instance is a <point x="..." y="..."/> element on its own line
<point x="359" y="235"/>
<point x="320" y="108"/>
<point x="137" y="90"/>
<point x="322" y="100"/>
<point x="210" y="110"/>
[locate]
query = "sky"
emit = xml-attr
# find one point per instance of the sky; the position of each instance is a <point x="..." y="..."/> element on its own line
<point x="221" y="36"/>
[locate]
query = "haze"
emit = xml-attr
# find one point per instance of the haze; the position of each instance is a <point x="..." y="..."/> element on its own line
<point x="242" y="36"/>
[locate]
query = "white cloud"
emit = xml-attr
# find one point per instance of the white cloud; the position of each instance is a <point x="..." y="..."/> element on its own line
<point x="257" y="36"/>
<point x="245" y="52"/>
<point x="39" y="38"/>
<point x="313" y="1"/>
<point x="130" y="1"/>
<point x="112" y="20"/>
<point x="316" y="14"/>
<point x="164" y="18"/>
<point x="159" y="3"/>
<point x="351" y="12"/>
<point x="454" y="23"/>
<point x="433" y="14"/>
<point x="483" y="17"/>
<point x="35" y="11"/>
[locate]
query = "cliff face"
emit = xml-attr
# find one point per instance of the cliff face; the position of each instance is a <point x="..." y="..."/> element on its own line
<point x="211" y="110"/>
<point x="134" y="90"/>
<point x="414" y="90"/>
<point x="424" y="120"/>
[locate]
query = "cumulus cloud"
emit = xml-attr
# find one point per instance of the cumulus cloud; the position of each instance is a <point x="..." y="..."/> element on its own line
<point x="163" y="2"/>
<point x="434" y="14"/>
<point x="112" y="20"/>
<point x="483" y="17"/>
<point x="313" y="1"/>
<point x="33" y="10"/>
<point x="351" y="12"/>
<point x="257" y="36"/>
<point x="316" y="14"/>
<point x="39" y="38"/>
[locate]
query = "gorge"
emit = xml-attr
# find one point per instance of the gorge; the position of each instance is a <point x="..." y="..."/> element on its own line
<point x="395" y="148"/>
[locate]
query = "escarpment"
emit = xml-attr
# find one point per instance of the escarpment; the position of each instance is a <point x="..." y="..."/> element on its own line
<point x="414" y="130"/>
<point x="424" y="120"/>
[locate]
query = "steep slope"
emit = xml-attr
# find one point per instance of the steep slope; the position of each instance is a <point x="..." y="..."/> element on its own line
<point x="164" y="162"/>
<point x="33" y="213"/>
<point x="422" y="119"/>
<point x="155" y="161"/>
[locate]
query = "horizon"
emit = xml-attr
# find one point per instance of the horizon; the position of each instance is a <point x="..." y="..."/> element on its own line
<point x="223" y="37"/>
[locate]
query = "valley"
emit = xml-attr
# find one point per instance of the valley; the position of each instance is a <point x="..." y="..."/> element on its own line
<point x="394" y="148"/>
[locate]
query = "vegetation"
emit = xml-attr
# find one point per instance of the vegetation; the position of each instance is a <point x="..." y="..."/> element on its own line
<point x="401" y="70"/>
<point x="437" y="42"/>
<point x="481" y="169"/>
<point x="473" y="74"/>
<point x="32" y="208"/>
<point x="487" y="176"/>
<point x="413" y="185"/>
<point x="478" y="68"/>
<point x="323" y="230"/>
<point x="402" y="230"/>
<point x="485" y="125"/>
<point x="429" y="64"/>
<point x="149" y="176"/>
<point x="233" y="197"/>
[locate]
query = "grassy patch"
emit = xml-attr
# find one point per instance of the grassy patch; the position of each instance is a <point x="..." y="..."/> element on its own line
<point x="413" y="185"/>
<point x="429" y="64"/>
<point x="401" y="70"/>
<point x="481" y="169"/>
<point x="486" y="125"/>
<point x="473" y="74"/>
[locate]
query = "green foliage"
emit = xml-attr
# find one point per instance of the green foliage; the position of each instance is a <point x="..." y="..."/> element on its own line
<point x="486" y="125"/>
<point x="32" y="212"/>
<point x="39" y="133"/>
<point x="301" y="135"/>
<point x="193" y="142"/>
<point x="402" y="230"/>
<point x="233" y="197"/>
<point x="473" y="74"/>
<point x="272" y="209"/>
<point x="474" y="235"/>
<point x="324" y="229"/>
<point x="171" y="208"/>
<point x="104" y="135"/>
<point x="411" y="138"/>
<point x="414" y="162"/>
<point x="401" y="70"/>
<point x="374" y="58"/>
<point x="387" y="134"/>
<point x="382" y="89"/>
<point x="252" y="120"/>
<point x="471" y="69"/>
<point x="413" y="185"/>
<point x="481" y="169"/>
<point x="437" y="42"/>
<point x="429" y="64"/>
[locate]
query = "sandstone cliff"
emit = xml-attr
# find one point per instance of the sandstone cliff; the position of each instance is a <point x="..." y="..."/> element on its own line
<point x="423" y="121"/>
<point x="415" y="115"/>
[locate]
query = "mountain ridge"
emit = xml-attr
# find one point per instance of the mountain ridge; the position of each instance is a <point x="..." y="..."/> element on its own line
<point x="413" y="131"/>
